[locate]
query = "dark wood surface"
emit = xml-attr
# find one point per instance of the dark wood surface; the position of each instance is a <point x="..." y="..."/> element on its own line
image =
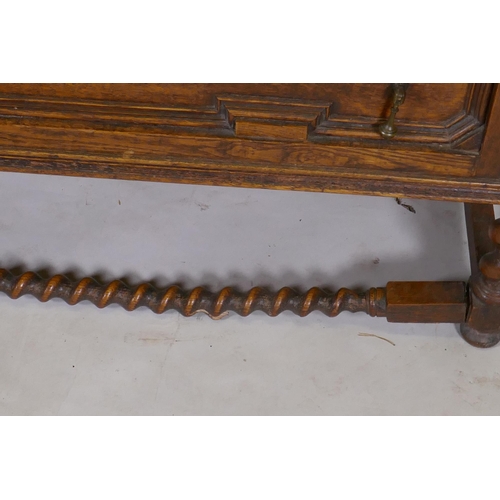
<point x="487" y="164"/>
<point x="197" y="300"/>
<point x="482" y="325"/>
<point x="426" y="301"/>
<point x="479" y="219"/>
<point x="403" y="302"/>
<point x="440" y="115"/>
<point x="315" y="137"/>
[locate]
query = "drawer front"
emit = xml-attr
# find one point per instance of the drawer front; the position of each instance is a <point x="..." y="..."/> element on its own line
<point x="320" y="137"/>
<point x="433" y="116"/>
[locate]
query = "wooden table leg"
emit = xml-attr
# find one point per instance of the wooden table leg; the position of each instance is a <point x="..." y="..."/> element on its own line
<point x="482" y="325"/>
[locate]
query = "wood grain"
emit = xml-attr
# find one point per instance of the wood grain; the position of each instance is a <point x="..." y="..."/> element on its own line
<point x="427" y="102"/>
<point x="103" y="145"/>
<point x="272" y="136"/>
<point x="314" y="137"/>
<point x="482" y="325"/>
<point x="488" y="163"/>
<point x="193" y="301"/>
<point x="478" y="219"/>
<point x="355" y="181"/>
<point x="426" y="302"/>
<point x="435" y="116"/>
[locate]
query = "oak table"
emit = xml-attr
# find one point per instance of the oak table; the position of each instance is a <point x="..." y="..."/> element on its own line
<point x="433" y="141"/>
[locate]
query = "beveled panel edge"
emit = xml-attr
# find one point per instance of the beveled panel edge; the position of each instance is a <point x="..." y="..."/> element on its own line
<point x="305" y="120"/>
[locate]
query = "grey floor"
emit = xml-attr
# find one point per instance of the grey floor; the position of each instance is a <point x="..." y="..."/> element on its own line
<point x="61" y="360"/>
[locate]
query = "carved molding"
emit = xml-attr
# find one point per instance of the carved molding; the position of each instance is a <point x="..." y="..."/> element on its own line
<point x="281" y="119"/>
<point x="462" y="131"/>
<point x="255" y="117"/>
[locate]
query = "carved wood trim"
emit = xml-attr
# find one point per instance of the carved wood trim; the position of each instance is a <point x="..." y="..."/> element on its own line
<point x="257" y="117"/>
<point x="338" y="180"/>
<point x="454" y="134"/>
<point x="189" y="303"/>
<point x="400" y="302"/>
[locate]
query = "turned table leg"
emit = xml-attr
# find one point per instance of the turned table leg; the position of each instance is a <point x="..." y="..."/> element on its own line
<point x="482" y="324"/>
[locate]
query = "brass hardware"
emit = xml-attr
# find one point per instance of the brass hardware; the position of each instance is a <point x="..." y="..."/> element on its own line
<point x="388" y="129"/>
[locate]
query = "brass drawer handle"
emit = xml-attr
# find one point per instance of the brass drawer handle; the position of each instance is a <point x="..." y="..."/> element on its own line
<point x="388" y="129"/>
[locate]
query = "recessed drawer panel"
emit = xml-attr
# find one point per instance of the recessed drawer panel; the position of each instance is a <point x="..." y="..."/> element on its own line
<point x="435" y="116"/>
<point x="320" y="137"/>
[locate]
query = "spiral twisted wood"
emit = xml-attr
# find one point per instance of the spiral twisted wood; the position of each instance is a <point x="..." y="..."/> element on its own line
<point x="197" y="300"/>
